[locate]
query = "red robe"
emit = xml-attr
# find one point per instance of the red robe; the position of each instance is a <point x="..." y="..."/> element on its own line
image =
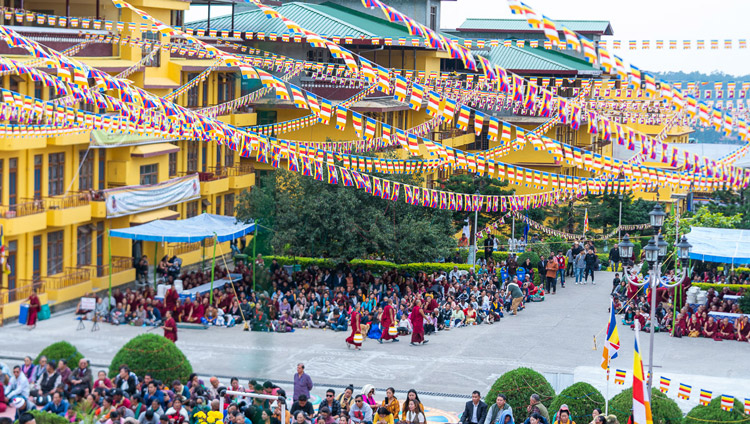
<point x="417" y="324"/>
<point x="726" y="331"/>
<point x="743" y="331"/>
<point x="170" y="329"/>
<point x="34" y="307"/>
<point x="712" y="331"/>
<point x="170" y="299"/>
<point x="355" y="329"/>
<point x="387" y="321"/>
<point x="681" y="329"/>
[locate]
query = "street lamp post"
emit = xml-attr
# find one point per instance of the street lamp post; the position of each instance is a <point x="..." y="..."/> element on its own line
<point x="655" y="253"/>
<point x="476" y="217"/>
<point x="619" y="221"/>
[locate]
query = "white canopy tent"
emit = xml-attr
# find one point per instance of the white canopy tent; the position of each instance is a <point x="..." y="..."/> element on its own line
<point x="720" y="245"/>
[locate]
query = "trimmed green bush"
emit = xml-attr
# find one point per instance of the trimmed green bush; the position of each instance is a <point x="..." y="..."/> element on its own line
<point x="663" y="409"/>
<point x="713" y="413"/>
<point x="518" y="385"/>
<point x="42" y="417"/>
<point x="581" y="399"/>
<point x="61" y="350"/>
<point x="155" y="355"/>
<point x="531" y="255"/>
<point x="720" y="287"/>
<point x="376" y="267"/>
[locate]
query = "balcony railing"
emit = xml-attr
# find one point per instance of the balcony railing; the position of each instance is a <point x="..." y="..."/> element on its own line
<point x="25" y="208"/>
<point x="119" y="264"/>
<point x="177" y="249"/>
<point x="213" y="174"/>
<point x="75" y="200"/>
<point x="69" y="277"/>
<point x="20" y="292"/>
<point x="238" y="170"/>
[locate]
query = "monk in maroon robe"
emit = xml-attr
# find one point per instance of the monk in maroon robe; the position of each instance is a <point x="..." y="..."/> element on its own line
<point x="355" y="322"/>
<point x="34" y="307"/>
<point x="711" y="329"/>
<point x="681" y="328"/>
<point x="388" y="320"/>
<point x="171" y="298"/>
<point x="742" y="328"/>
<point x="726" y="329"/>
<point x="170" y="327"/>
<point x="417" y="317"/>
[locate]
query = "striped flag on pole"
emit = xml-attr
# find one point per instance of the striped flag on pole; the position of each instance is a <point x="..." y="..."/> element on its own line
<point x="747" y="406"/>
<point x="727" y="402"/>
<point x="620" y="376"/>
<point x="684" y="392"/>
<point x="641" y="396"/>
<point x="705" y="398"/>
<point x="664" y="384"/>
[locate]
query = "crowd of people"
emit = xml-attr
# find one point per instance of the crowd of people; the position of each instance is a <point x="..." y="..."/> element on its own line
<point x="128" y="398"/>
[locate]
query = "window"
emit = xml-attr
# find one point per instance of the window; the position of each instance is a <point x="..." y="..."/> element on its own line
<point x="192" y="94"/>
<point x="12" y="181"/>
<point x="102" y="167"/>
<point x="217" y="207"/>
<point x="173" y="164"/>
<point x="566" y="134"/>
<point x="433" y="17"/>
<point x="228" y="157"/>
<point x="100" y="243"/>
<point x="229" y="204"/>
<point x="56" y="173"/>
<point x="204" y="156"/>
<point x="192" y="209"/>
<point x="149" y="174"/>
<point x="1" y="180"/>
<point x="12" y="250"/>
<point x="218" y="155"/>
<point x="84" y="245"/>
<point x="37" y="258"/>
<point x="55" y="241"/>
<point x="149" y="36"/>
<point x="86" y="173"/>
<point x="192" y="156"/>
<point x="38" y="163"/>
<point x="225" y="86"/>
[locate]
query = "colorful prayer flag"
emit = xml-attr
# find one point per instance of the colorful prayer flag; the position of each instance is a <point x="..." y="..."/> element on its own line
<point x="641" y="396"/>
<point x="705" y="397"/>
<point x="620" y="376"/>
<point x="727" y="402"/>
<point x="684" y="392"/>
<point x="664" y="384"/>
<point x="612" y="343"/>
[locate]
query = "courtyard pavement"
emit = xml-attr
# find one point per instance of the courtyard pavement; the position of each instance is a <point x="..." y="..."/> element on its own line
<point x="555" y="337"/>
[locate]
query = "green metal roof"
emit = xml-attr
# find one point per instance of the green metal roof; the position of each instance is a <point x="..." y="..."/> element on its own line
<point x="537" y="59"/>
<point x="326" y="19"/>
<point x="510" y="25"/>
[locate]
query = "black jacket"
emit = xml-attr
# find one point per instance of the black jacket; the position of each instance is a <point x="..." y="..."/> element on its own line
<point x="614" y="255"/>
<point x="469" y="410"/>
<point x="591" y="259"/>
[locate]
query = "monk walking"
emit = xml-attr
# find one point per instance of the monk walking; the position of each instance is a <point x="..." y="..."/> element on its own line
<point x="417" y="323"/>
<point x="170" y="327"/>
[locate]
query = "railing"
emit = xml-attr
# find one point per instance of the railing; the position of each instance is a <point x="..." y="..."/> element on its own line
<point x="22" y="209"/>
<point x="119" y="264"/>
<point x="69" y="277"/>
<point x="70" y="201"/>
<point x="238" y="170"/>
<point x="20" y="292"/>
<point x="214" y="173"/>
<point x="177" y="249"/>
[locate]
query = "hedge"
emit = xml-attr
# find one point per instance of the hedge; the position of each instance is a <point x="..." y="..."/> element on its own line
<point x="663" y="409"/>
<point x="155" y="355"/>
<point x="42" y="417"/>
<point x="61" y="350"/>
<point x="518" y="385"/>
<point x="581" y="399"/>
<point x="713" y="413"/>
<point x="376" y="267"/>
<point x="720" y="287"/>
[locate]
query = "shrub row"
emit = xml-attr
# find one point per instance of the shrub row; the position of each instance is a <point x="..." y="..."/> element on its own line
<point x="376" y="267"/>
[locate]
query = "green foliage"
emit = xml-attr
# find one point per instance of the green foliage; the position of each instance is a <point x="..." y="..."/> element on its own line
<point x="61" y="350"/>
<point x="471" y="184"/>
<point x="314" y="219"/>
<point x="541" y="249"/>
<point x="518" y="385"/>
<point x="720" y="287"/>
<point x="152" y="354"/>
<point x="531" y="255"/>
<point x="376" y="267"/>
<point x="497" y="255"/>
<point x="663" y="409"/>
<point x="42" y="417"/>
<point x="733" y="203"/>
<point x="581" y="399"/>
<point x="713" y="413"/>
<point x="744" y="302"/>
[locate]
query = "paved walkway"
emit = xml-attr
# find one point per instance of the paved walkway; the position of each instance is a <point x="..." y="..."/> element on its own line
<point x="555" y="337"/>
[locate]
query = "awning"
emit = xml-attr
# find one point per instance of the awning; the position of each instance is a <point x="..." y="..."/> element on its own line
<point x="191" y="230"/>
<point x="150" y="150"/>
<point x="146" y="217"/>
<point x="720" y="245"/>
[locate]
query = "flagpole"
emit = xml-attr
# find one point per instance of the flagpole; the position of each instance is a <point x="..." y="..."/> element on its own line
<point x="606" y="398"/>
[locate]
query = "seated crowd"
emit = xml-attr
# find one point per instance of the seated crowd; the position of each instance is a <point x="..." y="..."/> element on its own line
<point x="140" y="399"/>
<point x="324" y="298"/>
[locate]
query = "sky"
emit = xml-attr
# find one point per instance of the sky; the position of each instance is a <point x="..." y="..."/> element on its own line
<point x="631" y="20"/>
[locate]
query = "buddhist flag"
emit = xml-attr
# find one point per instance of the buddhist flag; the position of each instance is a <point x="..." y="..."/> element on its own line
<point x="417" y="92"/>
<point x="340" y="118"/>
<point x="462" y="122"/>
<point x="612" y="343"/>
<point x="478" y="123"/>
<point x="727" y="402"/>
<point x="664" y="384"/>
<point x="684" y="391"/>
<point x="641" y="397"/>
<point x="586" y="222"/>
<point x="705" y="398"/>
<point x="747" y="406"/>
<point x="620" y="377"/>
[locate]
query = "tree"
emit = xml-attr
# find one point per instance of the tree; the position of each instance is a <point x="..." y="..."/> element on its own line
<point x="307" y="217"/>
<point x="61" y="350"/>
<point x="518" y="385"/>
<point x="155" y="355"/>
<point x="663" y="409"/>
<point x="714" y="414"/>
<point x="472" y="184"/>
<point x="732" y="203"/>
<point x="581" y="398"/>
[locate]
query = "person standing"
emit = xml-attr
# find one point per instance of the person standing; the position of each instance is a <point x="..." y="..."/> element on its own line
<point x="614" y="258"/>
<point x="489" y="244"/>
<point x="170" y="327"/>
<point x="34" y="307"/>
<point x="475" y="410"/>
<point x="302" y="383"/>
<point x="388" y="320"/>
<point x="516" y="294"/>
<point x="552" y="268"/>
<point x="417" y="318"/>
<point x="591" y="260"/>
<point x="560" y="268"/>
<point x="356" y="320"/>
<point x="580" y="266"/>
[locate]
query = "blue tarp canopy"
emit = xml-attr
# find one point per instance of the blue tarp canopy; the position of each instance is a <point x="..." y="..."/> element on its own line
<point x="191" y="230"/>
<point x="720" y="245"/>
